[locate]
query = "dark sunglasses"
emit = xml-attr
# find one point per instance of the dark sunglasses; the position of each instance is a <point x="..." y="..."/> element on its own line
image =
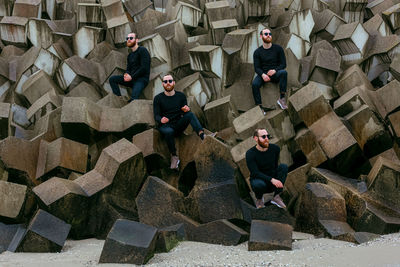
<point x="267" y="33"/>
<point x="168" y="81"/>
<point x="265" y="136"/>
<point x="130" y="38"/>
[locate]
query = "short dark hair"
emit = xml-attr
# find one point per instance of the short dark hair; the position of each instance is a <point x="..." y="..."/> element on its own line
<point x="264" y="30"/>
<point x="169" y="74"/>
<point x="255" y="133"/>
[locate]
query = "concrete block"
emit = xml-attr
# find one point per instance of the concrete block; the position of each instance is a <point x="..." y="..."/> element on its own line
<point x="13" y="31"/>
<point x="247" y="122"/>
<point x="129" y="242"/>
<point x="169" y="237"/>
<point x="195" y="85"/>
<point x="310" y="147"/>
<point x="40" y="32"/>
<point x="220" y="114"/>
<point x="17" y="202"/>
<point x="270" y="236"/>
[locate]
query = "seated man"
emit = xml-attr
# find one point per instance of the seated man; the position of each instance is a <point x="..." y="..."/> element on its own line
<point x="137" y="71"/>
<point x="173" y="115"/>
<point x="265" y="174"/>
<point x="269" y="65"/>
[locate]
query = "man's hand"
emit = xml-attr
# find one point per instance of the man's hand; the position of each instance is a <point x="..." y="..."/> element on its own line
<point x="271" y="72"/>
<point x="164" y="120"/>
<point x="127" y="77"/>
<point x="265" y="77"/>
<point x="276" y="183"/>
<point x="185" y="108"/>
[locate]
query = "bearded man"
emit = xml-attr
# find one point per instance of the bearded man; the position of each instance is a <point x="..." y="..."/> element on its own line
<point x="266" y="176"/>
<point x="173" y="116"/>
<point x="137" y="71"/>
<point x="269" y="65"/>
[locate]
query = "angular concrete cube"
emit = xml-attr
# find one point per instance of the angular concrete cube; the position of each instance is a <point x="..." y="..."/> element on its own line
<point x="220" y="114"/>
<point x="129" y="242"/>
<point x="270" y="236"/>
<point x="45" y="233"/>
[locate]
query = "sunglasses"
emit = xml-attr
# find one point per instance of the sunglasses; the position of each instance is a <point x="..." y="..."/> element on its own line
<point x="168" y="81"/>
<point x="265" y="136"/>
<point x="267" y="33"/>
<point x="130" y="38"/>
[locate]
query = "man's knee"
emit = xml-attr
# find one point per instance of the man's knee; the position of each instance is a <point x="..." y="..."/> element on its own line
<point x="257" y="82"/>
<point x="283" y="167"/>
<point x="282" y="73"/>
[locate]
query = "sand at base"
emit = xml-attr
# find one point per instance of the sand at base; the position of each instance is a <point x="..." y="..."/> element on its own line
<point x="384" y="251"/>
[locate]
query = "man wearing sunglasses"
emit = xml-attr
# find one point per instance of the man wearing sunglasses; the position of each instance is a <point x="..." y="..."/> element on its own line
<point x="137" y="71"/>
<point x="269" y="64"/>
<point x="266" y="176"/>
<point x="173" y="116"/>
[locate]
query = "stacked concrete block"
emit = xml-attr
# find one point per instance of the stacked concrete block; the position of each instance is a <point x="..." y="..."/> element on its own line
<point x="326" y="25"/>
<point x="353" y="10"/>
<point x="137" y="9"/>
<point x="159" y="52"/>
<point x="243" y="40"/>
<point x="352" y="100"/>
<point x="44" y="105"/>
<point x="376" y="25"/>
<point x="85" y="39"/>
<point x="377" y="7"/>
<point x="27" y="8"/>
<point x="220" y="232"/>
<point x="116" y="20"/>
<point x="13" y="31"/>
<point x="350" y="78"/>
<point x="254" y="8"/>
<point x="385" y="98"/>
<point x="239" y="156"/>
<point x="383" y="181"/>
<point x="195" y="85"/>
<point x="294" y="42"/>
<point x="270" y="236"/>
<point x="90" y="14"/>
<point x="220" y="113"/>
<point x="247" y="122"/>
<point x="4" y="119"/>
<point x="392" y="15"/>
<point x="60" y="157"/>
<point x="17" y="202"/>
<point x="129" y="242"/>
<point x="40" y="32"/>
<point x="189" y="14"/>
<point x="84" y="89"/>
<point x="394" y="120"/>
<point x="351" y="40"/>
<point x="45" y="233"/>
<point x="378" y="58"/>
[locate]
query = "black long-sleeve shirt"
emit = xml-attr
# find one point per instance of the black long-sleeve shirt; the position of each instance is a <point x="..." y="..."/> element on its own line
<point x="272" y="58"/>
<point x="169" y="106"/>
<point x="263" y="164"/>
<point x="138" y="63"/>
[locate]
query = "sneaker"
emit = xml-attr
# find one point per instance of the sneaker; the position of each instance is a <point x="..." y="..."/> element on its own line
<point x="282" y="103"/>
<point x="262" y="109"/>
<point x="260" y="203"/>
<point x="277" y="201"/>
<point x="212" y="134"/>
<point x="174" y="162"/>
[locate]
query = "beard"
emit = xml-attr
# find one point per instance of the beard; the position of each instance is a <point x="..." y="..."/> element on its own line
<point x="267" y="40"/>
<point x="264" y="144"/>
<point x="169" y="88"/>
<point x="131" y="44"/>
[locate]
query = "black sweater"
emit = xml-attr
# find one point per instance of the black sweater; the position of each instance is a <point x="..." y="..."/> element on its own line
<point x="138" y="64"/>
<point x="269" y="59"/>
<point x="169" y="106"/>
<point x="263" y="165"/>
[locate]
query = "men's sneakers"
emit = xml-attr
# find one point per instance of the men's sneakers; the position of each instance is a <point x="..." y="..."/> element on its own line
<point x="174" y="162"/>
<point x="277" y="201"/>
<point x="260" y="203"/>
<point x="282" y="103"/>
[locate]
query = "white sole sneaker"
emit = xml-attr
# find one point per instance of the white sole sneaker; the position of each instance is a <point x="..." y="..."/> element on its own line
<point x="276" y="204"/>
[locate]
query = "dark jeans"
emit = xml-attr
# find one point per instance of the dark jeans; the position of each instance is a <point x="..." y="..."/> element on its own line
<point x="137" y="85"/>
<point x="280" y="76"/>
<point x="170" y="130"/>
<point x="260" y="187"/>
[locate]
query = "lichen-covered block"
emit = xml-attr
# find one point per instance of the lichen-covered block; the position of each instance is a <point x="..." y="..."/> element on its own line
<point x="318" y="202"/>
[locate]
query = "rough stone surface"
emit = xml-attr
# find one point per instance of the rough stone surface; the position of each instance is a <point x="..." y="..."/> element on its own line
<point x="270" y="236"/>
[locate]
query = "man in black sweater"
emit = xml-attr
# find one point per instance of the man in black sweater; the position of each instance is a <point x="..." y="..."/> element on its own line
<point x="269" y="64"/>
<point x="173" y="115"/>
<point x="137" y="71"/>
<point x="266" y="176"/>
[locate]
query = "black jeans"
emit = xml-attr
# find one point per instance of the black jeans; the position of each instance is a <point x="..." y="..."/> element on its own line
<point x="170" y="130"/>
<point x="137" y="85"/>
<point x="260" y="187"/>
<point x="280" y="76"/>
